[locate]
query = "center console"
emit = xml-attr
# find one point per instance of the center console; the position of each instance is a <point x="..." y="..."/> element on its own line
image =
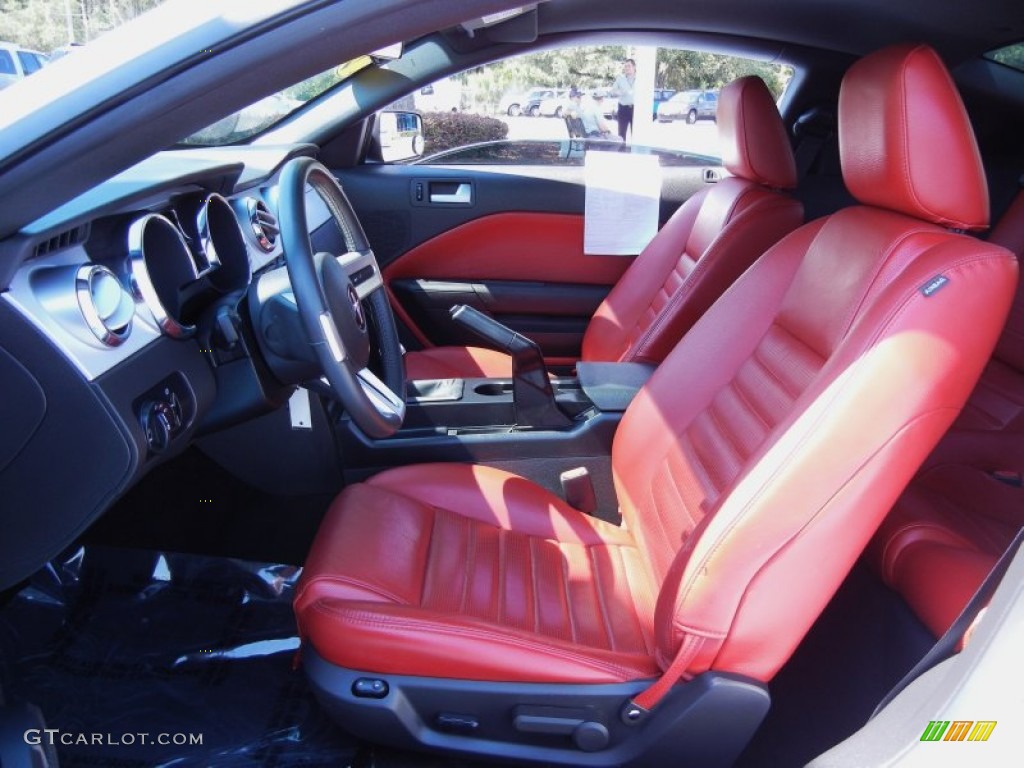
<point x="533" y="424"/>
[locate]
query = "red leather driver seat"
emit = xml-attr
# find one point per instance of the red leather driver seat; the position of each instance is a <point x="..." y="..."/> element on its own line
<point x="464" y="608"/>
<point x="701" y="250"/>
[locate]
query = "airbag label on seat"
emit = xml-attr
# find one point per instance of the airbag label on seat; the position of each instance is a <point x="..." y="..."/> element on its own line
<point x="934" y="285"/>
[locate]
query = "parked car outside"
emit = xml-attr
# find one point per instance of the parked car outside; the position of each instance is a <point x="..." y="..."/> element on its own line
<point x="661" y="95"/>
<point x="690" y="106"/>
<point x="557" y="105"/>
<point x="62" y="51"/>
<point x="17" y="63"/>
<point x="531" y="104"/>
<point x="442" y="96"/>
<point x="525" y="102"/>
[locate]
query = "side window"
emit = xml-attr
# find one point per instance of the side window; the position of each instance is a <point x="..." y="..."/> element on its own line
<point x="29" y="62"/>
<point x="527" y="110"/>
<point x="7" y="64"/>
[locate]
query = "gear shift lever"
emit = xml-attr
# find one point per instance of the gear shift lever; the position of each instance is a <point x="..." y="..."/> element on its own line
<point x="532" y="396"/>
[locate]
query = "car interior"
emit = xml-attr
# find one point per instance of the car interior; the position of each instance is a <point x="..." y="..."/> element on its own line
<point x="334" y="460"/>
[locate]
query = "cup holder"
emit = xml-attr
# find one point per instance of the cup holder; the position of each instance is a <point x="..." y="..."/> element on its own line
<point x="494" y="388"/>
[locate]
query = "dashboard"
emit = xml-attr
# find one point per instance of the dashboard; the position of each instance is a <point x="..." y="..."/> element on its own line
<point x="127" y="328"/>
<point x="142" y="255"/>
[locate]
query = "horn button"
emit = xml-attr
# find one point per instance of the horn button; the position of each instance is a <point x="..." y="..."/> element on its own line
<point x="346" y="309"/>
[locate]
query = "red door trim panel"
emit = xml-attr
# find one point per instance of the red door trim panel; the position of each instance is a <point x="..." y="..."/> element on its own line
<point x="544" y="247"/>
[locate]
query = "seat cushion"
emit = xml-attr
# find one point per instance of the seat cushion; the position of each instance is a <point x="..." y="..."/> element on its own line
<point x="461" y="571"/>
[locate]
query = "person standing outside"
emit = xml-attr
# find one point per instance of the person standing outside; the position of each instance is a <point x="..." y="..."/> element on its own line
<point x="623" y="88"/>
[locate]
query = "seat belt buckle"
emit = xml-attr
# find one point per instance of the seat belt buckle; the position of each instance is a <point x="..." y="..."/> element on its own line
<point x="578" y="490"/>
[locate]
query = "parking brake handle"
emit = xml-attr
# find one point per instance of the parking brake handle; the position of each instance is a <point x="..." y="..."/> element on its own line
<point x="532" y="396"/>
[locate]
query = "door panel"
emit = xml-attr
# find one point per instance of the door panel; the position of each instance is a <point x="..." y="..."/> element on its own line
<point x="533" y="261"/>
<point x="553" y="315"/>
<point x="514" y="250"/>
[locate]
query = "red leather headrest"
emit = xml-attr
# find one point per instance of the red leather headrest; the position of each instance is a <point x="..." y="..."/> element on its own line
<point x="905" y="141"/>
<point x="754" y="141"/>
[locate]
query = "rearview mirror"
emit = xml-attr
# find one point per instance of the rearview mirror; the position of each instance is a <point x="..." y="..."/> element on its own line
<point x="398" y="136"/>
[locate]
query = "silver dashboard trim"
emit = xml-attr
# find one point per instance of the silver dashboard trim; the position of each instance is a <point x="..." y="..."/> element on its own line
<point x="140" y="281"/>
<point x="43" y="292"/>
<point x="114" y="328"/>
<point x="206" y="244"/>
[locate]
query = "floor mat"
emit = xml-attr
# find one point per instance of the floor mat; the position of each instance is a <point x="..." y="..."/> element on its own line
<point x="125" y="649"/>
<point x="861" y="645"/>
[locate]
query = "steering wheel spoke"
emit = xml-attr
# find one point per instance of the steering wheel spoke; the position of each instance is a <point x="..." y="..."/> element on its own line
<point x="362" y="270"/>
<point x="388" y="404"/>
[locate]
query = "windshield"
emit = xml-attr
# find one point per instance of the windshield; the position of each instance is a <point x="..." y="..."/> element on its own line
<point x="258" y="117"/>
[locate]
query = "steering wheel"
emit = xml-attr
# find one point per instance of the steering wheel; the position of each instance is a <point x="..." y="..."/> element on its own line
<point x="333" y="293"/>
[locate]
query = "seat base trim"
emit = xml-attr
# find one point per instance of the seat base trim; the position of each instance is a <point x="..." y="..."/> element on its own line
<point x="706" y="721"/>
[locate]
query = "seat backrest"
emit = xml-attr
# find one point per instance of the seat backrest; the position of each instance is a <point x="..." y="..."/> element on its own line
<point x="1009" y="233"/>
<point x="758" y="460"/>
<point x="709" y="241"/>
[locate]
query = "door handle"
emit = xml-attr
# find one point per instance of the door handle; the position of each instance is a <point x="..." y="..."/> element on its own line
<point x="463" y="194"/>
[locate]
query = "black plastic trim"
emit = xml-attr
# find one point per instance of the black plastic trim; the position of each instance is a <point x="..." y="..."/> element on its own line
<point x="71" y="458"/>
<point x="590" y="435"/>
<point x="706" y="722"/>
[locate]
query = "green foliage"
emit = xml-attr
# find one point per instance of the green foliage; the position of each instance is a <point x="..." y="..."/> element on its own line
<point x="685" y="70"/>
<point x="1011" y="56"/>
<point x="47" y="24"/>
<point x="445" y="130"/>
<point x="596" y="66"/>
<point x="587" y="66"/>
<point x="314" y="86"/>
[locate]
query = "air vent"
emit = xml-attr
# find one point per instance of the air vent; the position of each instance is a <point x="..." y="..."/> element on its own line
<point x="107" y="307"/>
<point x="264" y="225"/>
<point x="63" y="240"/>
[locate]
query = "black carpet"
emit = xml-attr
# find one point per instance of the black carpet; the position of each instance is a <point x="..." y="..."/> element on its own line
<point x="124" y="643"/>
<point x="860" y="647"/>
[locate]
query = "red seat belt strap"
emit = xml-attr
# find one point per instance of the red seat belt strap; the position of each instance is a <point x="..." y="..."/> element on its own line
<point x="649" y="698"/>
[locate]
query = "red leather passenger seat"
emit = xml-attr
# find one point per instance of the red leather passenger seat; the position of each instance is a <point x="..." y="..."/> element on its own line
<point x="966" y="505"/>
<point x="751" y="471"/>
<point x="997" y="403"/>
<point x="701" y="250"/>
